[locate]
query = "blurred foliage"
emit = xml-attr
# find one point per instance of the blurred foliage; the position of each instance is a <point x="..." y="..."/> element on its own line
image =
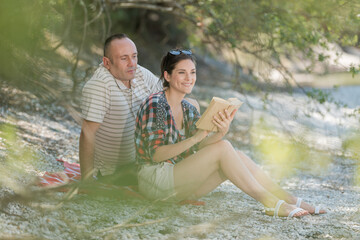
<point x="320" y="95"/>
<point x="20" y="33"/>
<point x="354" y="70"/>
<point x="272" y="31"/>
<point x="284" y="154"/>
<point x="351" y="146"/>
<point x="17" y="156"/>
<point x="17" y="163"/>
<point x="41" y="42"/>
<point x="52" y="46"/>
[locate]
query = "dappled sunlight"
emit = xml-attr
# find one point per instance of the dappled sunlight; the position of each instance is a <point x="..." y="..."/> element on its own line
<point x="324" y="118"/>
<point x="290" y="140"/>
<point x="17" y="156"/>
<point x="251" y="50"/>
<point x="45" y="137"/>
<point x="37" y="129"/>
<point x="320" y="126"/>
<point x="332" y="117"/>
<point x="352" y="219"/>
<point x="327" y="81"/>
<point x="55" y="42"/>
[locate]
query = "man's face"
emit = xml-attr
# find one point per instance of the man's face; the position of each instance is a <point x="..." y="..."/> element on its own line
<point x="122" y="60"/>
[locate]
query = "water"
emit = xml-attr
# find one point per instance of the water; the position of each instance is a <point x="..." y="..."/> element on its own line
<point x="349" y="95"/>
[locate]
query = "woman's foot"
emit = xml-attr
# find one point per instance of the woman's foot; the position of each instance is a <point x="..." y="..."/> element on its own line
<point x="298" y="202"/>
<point x="283" y="209"/>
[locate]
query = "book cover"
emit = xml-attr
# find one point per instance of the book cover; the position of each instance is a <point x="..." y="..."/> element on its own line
<point x="216" y="105"/>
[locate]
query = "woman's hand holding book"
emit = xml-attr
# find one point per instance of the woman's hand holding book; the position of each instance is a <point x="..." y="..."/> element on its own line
<point x="223" y="121"/>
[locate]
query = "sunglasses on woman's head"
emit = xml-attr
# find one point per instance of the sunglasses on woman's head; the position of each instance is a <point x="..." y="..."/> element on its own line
<point x="178" y="52"/>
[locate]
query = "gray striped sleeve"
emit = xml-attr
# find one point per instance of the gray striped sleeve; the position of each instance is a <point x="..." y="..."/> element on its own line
<point x="95" y="100"/>
<point x="152" y="81"/>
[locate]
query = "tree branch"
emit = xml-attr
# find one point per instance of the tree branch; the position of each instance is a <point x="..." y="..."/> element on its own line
<point x="80" y="47"/>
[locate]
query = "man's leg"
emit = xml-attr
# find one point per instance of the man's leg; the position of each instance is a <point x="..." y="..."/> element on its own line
<point x="125" y="175"/>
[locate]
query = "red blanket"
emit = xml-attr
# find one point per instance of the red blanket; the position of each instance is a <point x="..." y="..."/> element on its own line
<point x="72" y="174"/>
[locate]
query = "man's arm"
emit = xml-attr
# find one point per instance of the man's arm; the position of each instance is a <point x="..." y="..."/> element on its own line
<point x="154" y="83"/>
<point x="165" y="152"/>
<point x="87" y="146"/>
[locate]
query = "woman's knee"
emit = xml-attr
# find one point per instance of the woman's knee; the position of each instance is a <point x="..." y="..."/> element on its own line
<point x="221" y="147"/>
<point x="224" y="145"/>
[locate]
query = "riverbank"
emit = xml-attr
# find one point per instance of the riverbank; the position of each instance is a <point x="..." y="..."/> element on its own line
<point x="327" y="81"/>
<point x="228" y="213"/>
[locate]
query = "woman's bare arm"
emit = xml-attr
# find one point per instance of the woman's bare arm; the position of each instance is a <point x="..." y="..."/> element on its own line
<point x="166" y="152"/>
<point x="223" y="124"/>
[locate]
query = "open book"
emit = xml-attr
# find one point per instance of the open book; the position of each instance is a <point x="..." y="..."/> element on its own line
<point x="216" y="105"/>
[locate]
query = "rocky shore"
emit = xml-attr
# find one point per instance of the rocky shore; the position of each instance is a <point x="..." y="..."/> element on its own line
<point x="228" y="214"/>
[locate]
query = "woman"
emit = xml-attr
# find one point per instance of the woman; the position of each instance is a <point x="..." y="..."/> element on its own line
<point x="177" y="162"/>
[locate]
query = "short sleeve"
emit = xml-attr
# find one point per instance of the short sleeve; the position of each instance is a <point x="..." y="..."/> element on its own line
<point x="154" y="83"/>
<point x="95" y="100"/>
<point x="149" y="135"/>
<point x="194" y="116"/>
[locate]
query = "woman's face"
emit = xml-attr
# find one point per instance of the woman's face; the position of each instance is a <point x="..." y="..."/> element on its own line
<point x="183" y="77"/>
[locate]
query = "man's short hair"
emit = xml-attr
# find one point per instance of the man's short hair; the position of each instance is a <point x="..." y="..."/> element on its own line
<point x="110" y="39"/>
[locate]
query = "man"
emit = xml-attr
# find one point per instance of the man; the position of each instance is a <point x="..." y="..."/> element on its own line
<point x="110" y="102"/>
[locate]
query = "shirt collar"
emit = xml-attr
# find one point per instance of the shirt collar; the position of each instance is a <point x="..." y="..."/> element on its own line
<point x="183" y="102"/>
<point x="122" y="85"/>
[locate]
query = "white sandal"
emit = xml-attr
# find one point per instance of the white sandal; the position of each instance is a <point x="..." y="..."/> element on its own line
<point x="317" y="208"/>
<point x="277" y="207"/>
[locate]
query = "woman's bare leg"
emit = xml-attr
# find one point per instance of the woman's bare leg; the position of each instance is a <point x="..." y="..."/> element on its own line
<point x="270" y="185"/>
<point x="265" y="180"/>
<point x="209" y="185"/>
<point x="192" y="172"/>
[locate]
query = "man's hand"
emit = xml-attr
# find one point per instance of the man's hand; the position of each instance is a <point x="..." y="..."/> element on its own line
<point x="223" y="122"/>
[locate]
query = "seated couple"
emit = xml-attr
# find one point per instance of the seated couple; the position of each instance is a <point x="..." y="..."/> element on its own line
<point x="177" y="161"/>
